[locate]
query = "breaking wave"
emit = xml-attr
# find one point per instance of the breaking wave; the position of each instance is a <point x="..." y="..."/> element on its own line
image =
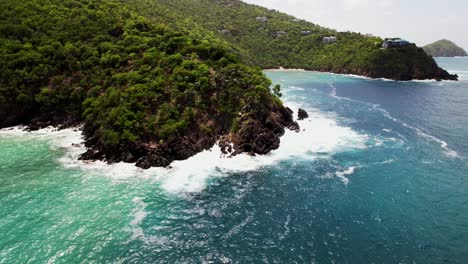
<point x="320" y="135"/>
<point x="444" y="145"/>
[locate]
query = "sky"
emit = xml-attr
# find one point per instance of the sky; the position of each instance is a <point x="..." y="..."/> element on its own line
<point x="419" y="21"/>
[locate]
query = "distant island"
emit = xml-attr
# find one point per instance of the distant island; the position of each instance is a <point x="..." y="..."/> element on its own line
<point x="445" y="48"/>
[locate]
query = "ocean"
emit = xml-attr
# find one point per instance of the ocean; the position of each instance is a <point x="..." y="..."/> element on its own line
<point x="378" y="174"/>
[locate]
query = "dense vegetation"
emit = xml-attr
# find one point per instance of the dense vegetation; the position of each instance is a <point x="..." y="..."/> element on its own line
<point x="284" y="41"/>
<point x="135" y="83"/>
<point x="445" y="48"/>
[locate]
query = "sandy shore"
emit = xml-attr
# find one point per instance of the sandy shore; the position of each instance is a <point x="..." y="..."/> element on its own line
<point x="283" y="69"/>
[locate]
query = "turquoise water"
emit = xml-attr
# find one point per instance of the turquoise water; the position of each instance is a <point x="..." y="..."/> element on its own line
<point x="378" y="175"/>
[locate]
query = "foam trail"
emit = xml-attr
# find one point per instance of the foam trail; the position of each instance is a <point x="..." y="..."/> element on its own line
<point x="342" y="174"/>
<point x="237" y="228"/>
<point x="286" y="227"/>
<point x="333" y="94"/>
<point x="295" y="88"/>
<point x="444" y="145"/>
<point x="139" y="212"/>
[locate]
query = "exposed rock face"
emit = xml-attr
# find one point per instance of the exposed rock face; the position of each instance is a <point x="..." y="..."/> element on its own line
<point x="148" y="154"/>
<point x="302" y="114"/>
<point x="260" y="134"/>
<point x="153" y="159"/>
<point x="57" y="120"/>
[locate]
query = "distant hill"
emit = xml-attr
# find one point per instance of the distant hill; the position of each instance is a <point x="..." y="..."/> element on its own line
<point x="445" y="48"/>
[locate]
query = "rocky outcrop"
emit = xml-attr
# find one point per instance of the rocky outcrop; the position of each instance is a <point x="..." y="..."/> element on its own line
<point x="258" y="131"/>
<point x="302" y="114"/>
<point x="147" y="154"/>
<point x="260" y="134"/>
<point x="60" y="121"/>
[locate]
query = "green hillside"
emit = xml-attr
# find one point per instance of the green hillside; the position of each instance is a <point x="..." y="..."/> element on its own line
<point x="445" y="48"/>
<point x="283" y="41"/>
<point x="145" y="92"/>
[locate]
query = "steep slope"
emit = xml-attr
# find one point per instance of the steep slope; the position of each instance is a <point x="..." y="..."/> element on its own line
<point x="145" y="93"/>
<point x="445" y="48"/>
<point x="271" y="39"/>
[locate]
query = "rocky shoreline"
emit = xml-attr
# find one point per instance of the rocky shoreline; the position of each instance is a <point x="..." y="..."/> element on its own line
<point x="438" y="75"/>
<point x="258" y="133"/>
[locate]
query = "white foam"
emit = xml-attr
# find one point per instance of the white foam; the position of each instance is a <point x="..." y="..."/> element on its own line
<point x="320" y="135"/>
<point x="295" y="88"/>
<point x="333" y="94"/>
<point x="286" y="227"/>
<point x="237" y="228"/>
<point x="21" y="131"/>
<point x="281" y="69"/>
<point x="139" y="213"/>
<point x="387" y="161"/>
<point x="378" y="142"/>
<point x="70" y="140"/>
<point x="462" y="75"/>
<point x="342" y="174"/>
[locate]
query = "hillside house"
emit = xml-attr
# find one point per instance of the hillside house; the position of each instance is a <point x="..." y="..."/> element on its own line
<point x="226" y="32"/>
<point x="306" y="32"/>
<point x="329" y="40"/>
<point x="278" y="34"/>
<point x="261" y="19"/>
<point x="394" y="43"/>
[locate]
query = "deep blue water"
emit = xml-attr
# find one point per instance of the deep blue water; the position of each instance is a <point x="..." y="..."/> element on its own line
<point x="379" y="175"/>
